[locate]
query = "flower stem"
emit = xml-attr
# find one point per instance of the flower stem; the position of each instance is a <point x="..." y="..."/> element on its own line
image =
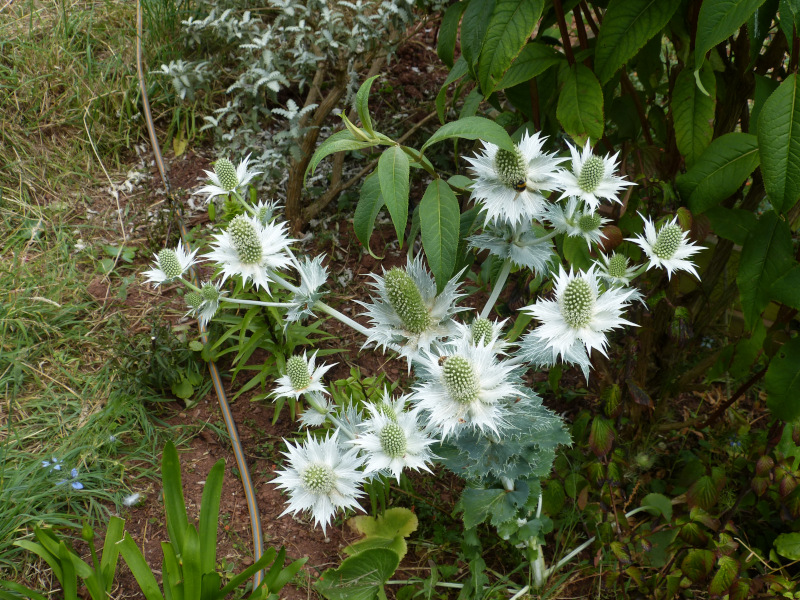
<point x="342" y="317"/>
<point x="241" y="201"/>
<point x="544" y="238"/>
<point x="189" y="284"/>
<point x="256" y="302"/>
<point x="498" y="287"/>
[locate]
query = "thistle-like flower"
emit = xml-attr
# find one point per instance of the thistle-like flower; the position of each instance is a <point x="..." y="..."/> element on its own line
<point x="465" y="387"/>
<point x="313" y="276"/>
<point x="408" y="314"/>
<point x="579" y="313"/>
<point x="321" y="478"/>
<point x="205" y="303"/>
<point x="483" y="332"/>
<point x="576" y="222"/>
<point x="614" y="269"/>
<point x="591" y="178"/>
<point x="317" y="411"/>
<point x="225" y="178"/>
<point x="250" y="249"/>
<point x="392" y="438"/>
<point x="509" y="184"/>
<point x="170" y="264"/>
<point x="265" y="211"/>
<point x="520" y="243"/>
<point x="668" y="248"/>
<point x="302" y="377"/>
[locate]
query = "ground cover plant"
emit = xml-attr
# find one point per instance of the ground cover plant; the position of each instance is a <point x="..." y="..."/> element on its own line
<point x="578" y="305"/>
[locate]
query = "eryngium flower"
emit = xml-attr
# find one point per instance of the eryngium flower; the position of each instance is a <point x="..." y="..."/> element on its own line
<point x="591" y="178"/>
<point x="321" y="478"/>
<point x="614" y="269"/>
<point x="313" y="275"/>
<point x="520" y="244"/>
<point x="250" y="249"/>
<point x="576" y="222"/>
<point x="170" y="264"/>
<point x="579" y="313"/>
<point x="668" y="248"/>
<point x="226" y="179"/>
<point x="392" y="438"/>
<point x="301" y="377"/>
<point x="509" y="184"/>
<point x="465" y="387"/>
<point x="205" y="303"/>
<point x="407" y="314"/>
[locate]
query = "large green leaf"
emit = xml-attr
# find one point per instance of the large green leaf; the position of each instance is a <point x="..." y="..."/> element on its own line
<point x="448" y="32"/>
<point x="779" y="145"/>
<point x="786" y="288"/>
<point x="783" y="382"/>
<point x="534" y="60"/>
<point x="474" y="24"/>
<point x="139" y="567"/>
<point x="693" y="112"/>
<point x="697" y="564"/>
<point x="393" y="173"/>
<point x="580" y="105"/>
<point x="789" y="16"/>
<point x="732" y="224"/>
<point x="359" y="577"/>
<point x="440" y="219"/>
<point x="473" y="128"/>
<point x="177" y="519"/>
<point x="718" y="20"/>
<point x="209" y="517"/>
<point x="766" y="255"/>
<point x="727" y="571"/>
<point x="388" y="530"/>
<point x="720" y="170"/>
<point x="510" y="26"/>
<point x="788" y="545"/>
<point x="362" y="104"/>
<point x="338" y="142"/>
<point x="627" y="25"/>
<point x="370" y="203"/>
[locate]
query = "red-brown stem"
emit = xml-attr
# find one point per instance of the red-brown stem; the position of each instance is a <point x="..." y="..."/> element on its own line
<point x="562" y="27"/>
<point x="581" y="29"/>
<point x="533" y="90"/>
<point x="738" y="394"/>
<point x="628" y="85"/>
<point x="795" y="51"/>
<point x="587" y="13"/>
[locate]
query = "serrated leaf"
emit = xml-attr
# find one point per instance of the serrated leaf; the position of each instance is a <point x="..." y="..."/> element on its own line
<point x="474" y="24"/>
<point x="370" y="203"/>
<point x="473" y="128"/>
<point x="448" y="32"/>
<point x="786" y="288"/>
<point x="534" y="59"/>
<point x="779" y="145"/>
<point x="384" y="531"/>
<point x="732" y="224"/>
<point x="697" y="564"/>
<point x="658" y="504"/>
<point x="479" y="504"/>
<point x="626" y="28"/>
<point x="783" y="381"/>
<point x="359" y="577"/>
<point x="718" y="20"/>
<point x="693" y="112"/>
<point x="510" y="25"/>
<point x="788" y="545"/>
<point x="580" y="105"/>
<point x="719" y="171"/>
<point x="727" y="571"/>
<point x="340" y="141"/>
<point x="601" y="437"/>
<point x="362" y="107"/>
<point x="440" y="220"/>
<point x="393" y="174"/>
<point x="703" y="493"/>
<point x="766" y="255"/>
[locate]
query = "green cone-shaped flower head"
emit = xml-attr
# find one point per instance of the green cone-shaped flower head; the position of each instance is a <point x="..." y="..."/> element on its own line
<point x="459" y="379"/>
<point x="591" y="174"/>
<point x="297" y="370"/>
<point x="385" y="408"/>
<point x="210" y="293"/>
<point x="168" y="262"/>
<point x="193" y="299"/>
<point x="226" y="173"/>
<point x="406" y="300"/>
<point x="393" y="440"/>
<point x="668" y="241"/>
<point x="577" y="302"/>
<point x="245" y="240"/>
<point x="511" y="168"/>
<point x="618" y="266"/>
<point x="481" y="331"/>
<point x="589" y="222"/>
<point x="318" y="478"/>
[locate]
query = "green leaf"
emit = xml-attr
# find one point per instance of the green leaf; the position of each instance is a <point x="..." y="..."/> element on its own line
<point x="789" y="16"/>
<point x="479" y="504"/>
<point x="261" y="563"/>
<point x="719" y="171"/>
<point x="139" y="567"/>
<point x="448" y="32"/>
<point x="534" y="59"/>
<point x="440" y="219"/>
<point x="182" y="389"/>
<point x="69" y="581"/>
<point x="783" y="382"/>
<point x="209" y="517"/>
<point x="779" y="145"/>
<point x="388" y="530"/>
<point x="393" y="174"/>
<point x="580" y="105"/>
<point x="362" y="106"/>
<point x="601" y="437"/>
<point x="764" y="88"/>
<point x="108" y="562"/>
<point x="693" y="112"/>
<point x="718" y="20"/>
<point x="190" y="560"/>
<point x="457" y="72"/>
<point x="473" y="30"/>
<point x="627" y="26"/>
<point x="788" y="545"/>
<point x="766" y="255"/>
<point x="473" y="128"/>
<point x="370" y="203"/>
<point x="177" y="520"/>
<point x="360" y="577"/>
<point x="727" y="571"/>
<point x="338" y="142"/>
<point x="786" y="288"/>
<point x="697" y="564"/>
<point x="732" y="224"/>
<point x="510" y="26"/>
<point x="658" y="504"/>
<point x="703" y="493"/>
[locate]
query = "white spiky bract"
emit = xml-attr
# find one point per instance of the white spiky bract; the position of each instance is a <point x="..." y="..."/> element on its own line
<point x="217" y="188"/>
<point x="591" y="178"/>
<point x="313" y="275"/>
<point x="314" y="375"/>
<point x="465" y="387"/>
<point x="210" y="295"/>
<point x="170" y="264"/>
<point x="520" y="244"/>
<point x="387" y="326"/>
<point x="321" y="478"/>
<point x="579" y="313"/>
<point x="269" y="242"/>
<point x="495" y="187"/>
<point x="575" y="221"/>
<point x="668" y="248"/>
<point x="392" y="438"/>
<point x="615" y="269"/>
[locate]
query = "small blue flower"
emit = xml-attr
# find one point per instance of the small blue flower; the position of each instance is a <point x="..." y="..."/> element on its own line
<point x="74" y="473"/>
<point x="77" y="485"/>
<point x="55" y="465"/>
<point x="112" y="439"/>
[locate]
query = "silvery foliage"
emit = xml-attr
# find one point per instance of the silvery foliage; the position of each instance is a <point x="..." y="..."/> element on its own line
<point x="187" y="76"/>
<point x="284" y="50"/>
